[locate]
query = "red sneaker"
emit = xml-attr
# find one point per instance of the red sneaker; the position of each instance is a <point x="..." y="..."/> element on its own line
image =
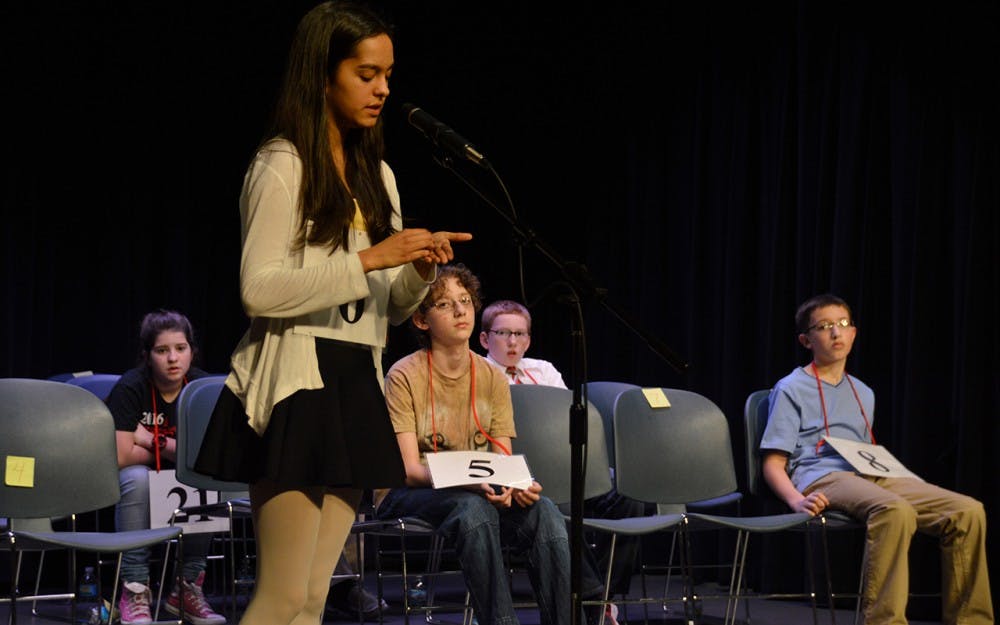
<point x="196" y="608"/>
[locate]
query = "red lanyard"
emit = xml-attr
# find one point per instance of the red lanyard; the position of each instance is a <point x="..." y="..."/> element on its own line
<point x="156" y="427"/>
<point x="822" y="403"/>
<point x="472" y="393"/>
<point x="156" y="423"/>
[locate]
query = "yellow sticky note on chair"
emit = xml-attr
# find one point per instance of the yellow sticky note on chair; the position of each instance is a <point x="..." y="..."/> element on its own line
<point x="20" y="471"/>
<point x="656" y="397"/>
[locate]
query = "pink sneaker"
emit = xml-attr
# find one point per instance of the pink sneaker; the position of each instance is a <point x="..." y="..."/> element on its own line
<point x="133" y="606"/>
<point x="196" y="608"/>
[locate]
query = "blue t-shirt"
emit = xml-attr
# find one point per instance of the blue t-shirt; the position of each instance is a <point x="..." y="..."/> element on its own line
<point x="795" y="423"/>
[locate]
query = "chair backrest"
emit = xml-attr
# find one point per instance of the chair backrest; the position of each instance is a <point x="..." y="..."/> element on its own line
<point x="754" y="421"/>
<point x="673" y="455"/>
<point x="541" y="416"/>
<point x="100" y="384"/>
<point x="194" y="409"/>
<point x="57" y="450"/>
<point x="604" y="395"/>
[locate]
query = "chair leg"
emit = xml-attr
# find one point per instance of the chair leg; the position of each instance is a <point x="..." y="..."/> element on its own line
<point x="691" y="604"/>
<point x="861" y="587"/>
<point x="163" y="581"/>
<point x="607" y="578"/>
<point x="670" y="570"/>
<point x="810" y="568"/>
<point x="15" y="566"/>
<point x="736" y="578"/>
<point x="829" y="577"/>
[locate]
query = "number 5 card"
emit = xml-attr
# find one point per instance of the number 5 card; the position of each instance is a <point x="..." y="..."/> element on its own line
<point x="459" y="468"/>
<point x="868" y="459"/>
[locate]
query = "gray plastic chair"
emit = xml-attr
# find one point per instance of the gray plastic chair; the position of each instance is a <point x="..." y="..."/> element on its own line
<point x="194" y="410"/>
<point x="541" y="416"/>
<point x="100" y="384"/>
<point x="604" y="395"/>
<point x="683" y="453"/>
<point x="58" y="456"/>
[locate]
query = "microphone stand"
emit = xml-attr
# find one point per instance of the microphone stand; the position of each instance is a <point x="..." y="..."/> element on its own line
<point x="582" y="289"/>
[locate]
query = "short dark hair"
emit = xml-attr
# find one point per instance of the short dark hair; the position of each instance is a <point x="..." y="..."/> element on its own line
<point x="159" y="321"/>
<point x="806" y="308"/>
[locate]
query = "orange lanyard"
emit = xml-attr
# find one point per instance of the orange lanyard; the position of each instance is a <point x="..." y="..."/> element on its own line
<point x="472" y="393"/>
<point x="822" y="403"/>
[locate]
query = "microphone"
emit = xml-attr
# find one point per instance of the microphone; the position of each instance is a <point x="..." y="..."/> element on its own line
<point x="442" y="136"/>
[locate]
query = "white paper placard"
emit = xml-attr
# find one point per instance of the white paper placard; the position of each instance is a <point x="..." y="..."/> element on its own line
<point x="166" y="494"/>
<point x="459" y="468"/>
<point x="868" y="459"/>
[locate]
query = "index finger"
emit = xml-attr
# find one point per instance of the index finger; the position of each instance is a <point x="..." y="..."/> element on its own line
<point x="454" y="236"/>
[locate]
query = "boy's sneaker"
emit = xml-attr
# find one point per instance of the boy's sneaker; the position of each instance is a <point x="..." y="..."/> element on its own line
<point x="611" y="614"/>
<point x="196" y="608"/>
<point x="133" y="606"/>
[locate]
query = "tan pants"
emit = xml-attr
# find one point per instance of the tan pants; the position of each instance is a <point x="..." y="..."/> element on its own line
<point x="897" y="507"/>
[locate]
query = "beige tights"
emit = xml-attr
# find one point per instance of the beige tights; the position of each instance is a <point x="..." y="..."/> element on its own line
<point x="300" y="534"/>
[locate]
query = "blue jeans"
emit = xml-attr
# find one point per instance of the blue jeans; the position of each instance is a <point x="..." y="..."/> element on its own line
<point x="478" y="531"/>
<point x="132" y="513"/>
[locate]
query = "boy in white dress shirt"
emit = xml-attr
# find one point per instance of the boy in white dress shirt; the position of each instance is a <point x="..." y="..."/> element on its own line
<point x="506" y="335"/>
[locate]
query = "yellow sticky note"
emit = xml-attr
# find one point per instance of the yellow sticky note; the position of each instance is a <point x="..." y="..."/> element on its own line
<point x="656" y="398"/>
<point x="20" y="471"/>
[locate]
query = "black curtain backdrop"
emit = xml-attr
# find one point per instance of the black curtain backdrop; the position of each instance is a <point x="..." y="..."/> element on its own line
<point x="711" y="164"/>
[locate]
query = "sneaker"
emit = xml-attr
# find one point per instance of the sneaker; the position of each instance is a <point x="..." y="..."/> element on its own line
<point x="345" y="604"/>
<point x="611" y="614"/>
<point x="196" y="608"/>
<point x="133" y="606"/>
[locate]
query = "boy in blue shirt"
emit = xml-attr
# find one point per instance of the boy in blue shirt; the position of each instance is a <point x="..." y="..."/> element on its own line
<point x="820" y="399"/>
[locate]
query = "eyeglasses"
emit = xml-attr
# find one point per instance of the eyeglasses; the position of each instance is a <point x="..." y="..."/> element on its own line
<point x="448" y="305"/>
<point x="505" y="334"/>
<point x="824" y="326"/>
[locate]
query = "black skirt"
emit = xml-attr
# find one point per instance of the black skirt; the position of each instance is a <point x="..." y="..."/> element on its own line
<point x="339" y="435"/>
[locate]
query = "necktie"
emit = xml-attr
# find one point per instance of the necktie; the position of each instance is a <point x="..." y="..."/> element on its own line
<point x="512" y="372"/>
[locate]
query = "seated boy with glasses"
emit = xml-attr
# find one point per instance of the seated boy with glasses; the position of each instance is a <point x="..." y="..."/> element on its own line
<point x="506" y="335"/>
<point x="820" y="399"/>
<point x="444" y="397"/>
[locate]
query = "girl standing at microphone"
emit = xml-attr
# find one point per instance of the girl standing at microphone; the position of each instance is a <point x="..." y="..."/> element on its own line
<point x="325" y="267"/>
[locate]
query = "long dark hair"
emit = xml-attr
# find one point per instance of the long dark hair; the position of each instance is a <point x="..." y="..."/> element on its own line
<point x="326" y="35"/>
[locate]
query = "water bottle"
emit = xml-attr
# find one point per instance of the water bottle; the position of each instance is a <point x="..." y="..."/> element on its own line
<point x="86" y="595"/>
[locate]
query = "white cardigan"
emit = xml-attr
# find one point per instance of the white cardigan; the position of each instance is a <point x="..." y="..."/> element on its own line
<point x="293" y="295"/>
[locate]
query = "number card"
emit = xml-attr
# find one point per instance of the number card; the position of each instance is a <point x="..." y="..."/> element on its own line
<point x="868" y="459"/>
<point x="166" y="494"/>
<point x="459" y="468"/>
